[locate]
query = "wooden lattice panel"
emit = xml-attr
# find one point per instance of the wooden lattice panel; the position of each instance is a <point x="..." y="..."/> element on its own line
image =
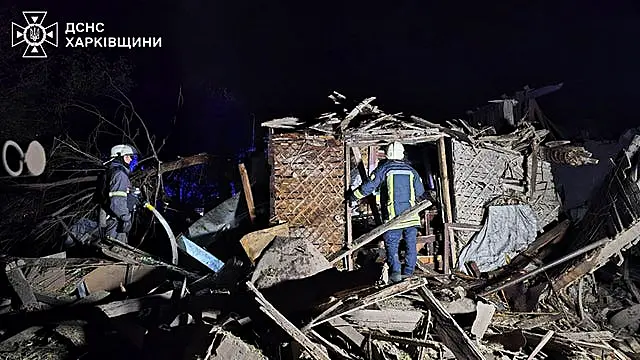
<point x="307" y="188"/>
<point x="479" y="176"/>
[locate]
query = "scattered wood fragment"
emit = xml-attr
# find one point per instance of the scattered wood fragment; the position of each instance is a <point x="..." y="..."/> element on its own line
<point x="286" y="325"/>
<point x="248" y="195"/>
<point x="548" y="266"/>
<point x="123" y="307"/>
<point x="21" y="286"/>
<point x="590" y="336"/>
<point x="403" y="340"/>
<point x="388" y="319"/>
<point x="542" y="343"/>
<point x="448" y="329"/>
<point x="381" y="295"/>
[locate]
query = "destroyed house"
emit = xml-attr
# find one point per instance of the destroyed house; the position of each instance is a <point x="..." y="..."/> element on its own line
<point x="313" y="163"/>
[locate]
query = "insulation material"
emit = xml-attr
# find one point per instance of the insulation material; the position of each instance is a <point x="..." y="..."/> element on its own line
<point x="508" y="231"/>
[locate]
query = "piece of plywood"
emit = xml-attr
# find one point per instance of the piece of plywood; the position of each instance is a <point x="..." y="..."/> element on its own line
<point x="389" y="320"/>
<point x="255" y="242"/>
<point x="110" y="277"/>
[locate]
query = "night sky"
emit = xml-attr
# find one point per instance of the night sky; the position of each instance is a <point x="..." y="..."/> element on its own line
<point x="245" y="61"/>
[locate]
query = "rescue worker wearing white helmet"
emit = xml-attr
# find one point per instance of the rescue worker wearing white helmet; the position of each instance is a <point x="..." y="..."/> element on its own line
<point x="119" y="217"/>
<point x="400" y="188"/>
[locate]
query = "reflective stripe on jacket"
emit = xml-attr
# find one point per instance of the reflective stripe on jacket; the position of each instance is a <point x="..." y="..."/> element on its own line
<point x="119" y="185"/>
<point x="400" y="186"/>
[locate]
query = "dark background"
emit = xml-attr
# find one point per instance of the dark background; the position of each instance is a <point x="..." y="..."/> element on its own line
<point x="240" y="63"/>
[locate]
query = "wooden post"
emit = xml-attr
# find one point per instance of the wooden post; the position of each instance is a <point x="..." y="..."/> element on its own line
<point x="247" y="192"/>
<point x="446" y="196"/>
<point x="347" y="181"/>
<point x="373" y="158"/>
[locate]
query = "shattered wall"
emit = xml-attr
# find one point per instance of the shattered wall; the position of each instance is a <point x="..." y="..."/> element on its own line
<point x="616" y="204"/>
<point x="481" y="176"/>
<point x="307" y="187"/>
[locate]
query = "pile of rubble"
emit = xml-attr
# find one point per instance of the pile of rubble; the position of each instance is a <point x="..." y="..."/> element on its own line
<point x="277" y="296"/>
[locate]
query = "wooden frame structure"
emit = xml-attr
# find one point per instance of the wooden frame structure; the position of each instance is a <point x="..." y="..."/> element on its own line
<point x="349" y="131"/>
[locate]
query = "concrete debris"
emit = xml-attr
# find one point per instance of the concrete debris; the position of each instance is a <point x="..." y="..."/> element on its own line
<point x="288" y="259"/>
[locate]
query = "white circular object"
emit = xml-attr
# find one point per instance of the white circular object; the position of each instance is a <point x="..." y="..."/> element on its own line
<point x="35" y="158"/>
<point x="7" y="168"/>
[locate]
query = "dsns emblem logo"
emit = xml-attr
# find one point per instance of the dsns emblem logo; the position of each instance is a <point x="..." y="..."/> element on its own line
<point x="34" y="34"/>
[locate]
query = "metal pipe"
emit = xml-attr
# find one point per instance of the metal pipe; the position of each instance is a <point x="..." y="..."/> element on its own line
<point x="548" y="266"/>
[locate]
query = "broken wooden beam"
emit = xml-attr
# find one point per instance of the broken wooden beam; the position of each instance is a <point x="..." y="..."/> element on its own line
<point x="403" y="340"/>
<point x="381" y="295"/>
<point x="547" y="267"/>
<point x="348" y="238"/>
<point x="388" y="319"/>
<point x="378" y="231"/>
<point x="266" y="307"/>
<point x="542" y="343"/>
<point x="248" y="195"/>
<point x="21" y="286"/>
<point x="611" y="247"/>
<point x="448" y="329"/>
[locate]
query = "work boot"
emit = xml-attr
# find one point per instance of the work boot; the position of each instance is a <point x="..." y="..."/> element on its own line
<point x="395" y="278"/>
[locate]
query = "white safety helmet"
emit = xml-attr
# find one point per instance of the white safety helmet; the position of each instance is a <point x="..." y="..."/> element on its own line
<point x="395" y="151"/>
<point x="121" y="150"/>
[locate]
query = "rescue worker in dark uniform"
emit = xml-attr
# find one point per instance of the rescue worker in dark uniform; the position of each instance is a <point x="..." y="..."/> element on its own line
<point x="118" y="214"/>
<point x="400" y="188"/>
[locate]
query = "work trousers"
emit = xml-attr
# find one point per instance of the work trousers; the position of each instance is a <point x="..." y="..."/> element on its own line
<point x="392" y="243"/>
<point x="113" y="231"/>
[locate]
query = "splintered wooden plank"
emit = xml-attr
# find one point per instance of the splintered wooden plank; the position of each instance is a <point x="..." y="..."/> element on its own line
<point x="388" y="319"/>
<point x="381" y="295"/>
<point x="448" y="329"/>
<point x="287" y="326"/>
<point x="246" y="186"/>
<point x="622" y="241"/>
<point x="373" y="234"/>
<point x="21" y="286"/>
<point x="48" y="279"/>
<point x="123" y="307"/>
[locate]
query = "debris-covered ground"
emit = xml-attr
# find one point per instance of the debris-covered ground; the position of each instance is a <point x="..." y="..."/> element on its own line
<point x="507" y="277"/>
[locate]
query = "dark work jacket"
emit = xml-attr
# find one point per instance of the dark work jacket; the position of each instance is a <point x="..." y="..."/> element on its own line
<point x="400" y="188"/>
<point x="119" y="187"/>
